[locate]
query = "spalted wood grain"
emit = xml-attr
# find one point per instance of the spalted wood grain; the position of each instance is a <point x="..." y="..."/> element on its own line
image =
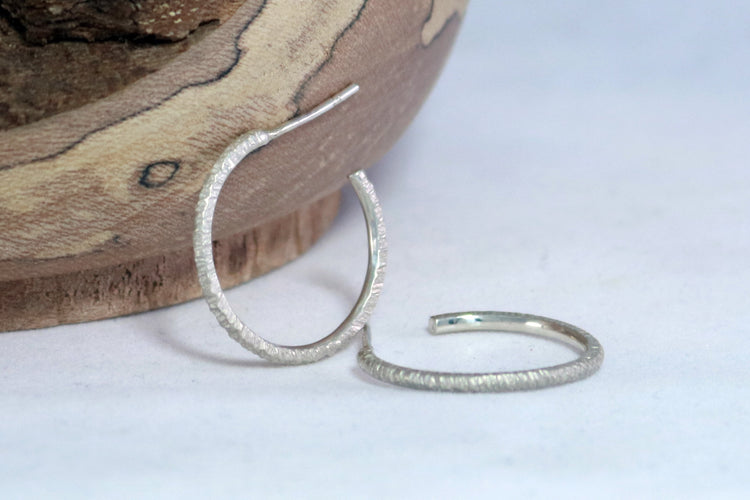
<point x="42" y="21"/>
<point x="161" y="280"/>
<point x="37" y="82"/>
<point x="116" y="181"/>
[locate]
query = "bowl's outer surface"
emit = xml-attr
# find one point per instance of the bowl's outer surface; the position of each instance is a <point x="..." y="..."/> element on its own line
<point x="117" y="180"/>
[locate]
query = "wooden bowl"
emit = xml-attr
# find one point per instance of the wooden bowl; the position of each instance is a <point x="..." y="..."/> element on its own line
<point x="97" y="201"/>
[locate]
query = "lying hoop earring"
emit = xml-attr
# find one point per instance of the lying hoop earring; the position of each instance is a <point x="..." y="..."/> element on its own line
<point x="588" y="362"/>
<point x="204" y="259"/>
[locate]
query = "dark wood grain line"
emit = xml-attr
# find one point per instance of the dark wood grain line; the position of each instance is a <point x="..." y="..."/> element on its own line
<point x="221" y="75"/>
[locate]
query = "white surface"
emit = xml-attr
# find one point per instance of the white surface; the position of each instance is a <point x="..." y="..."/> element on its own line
<point x="585" y="161"/>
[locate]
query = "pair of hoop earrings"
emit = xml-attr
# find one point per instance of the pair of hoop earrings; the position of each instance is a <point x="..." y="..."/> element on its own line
<point x="588" y="362"/>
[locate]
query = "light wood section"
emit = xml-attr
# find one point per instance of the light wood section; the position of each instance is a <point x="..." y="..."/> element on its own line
<point x="442" y="12"/>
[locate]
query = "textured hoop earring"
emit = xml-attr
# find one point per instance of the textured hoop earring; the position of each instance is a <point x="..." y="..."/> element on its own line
<point x="204" y="260"/>
<point x="588" y="362"/>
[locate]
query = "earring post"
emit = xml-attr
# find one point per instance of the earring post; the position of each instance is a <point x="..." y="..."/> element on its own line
<point x="319" y="110"/>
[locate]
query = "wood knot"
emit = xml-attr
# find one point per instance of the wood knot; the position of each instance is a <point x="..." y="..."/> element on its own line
<point x="157" y="174"/>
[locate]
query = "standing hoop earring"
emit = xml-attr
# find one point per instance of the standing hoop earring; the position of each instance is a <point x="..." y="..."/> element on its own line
<point x="588" y="362"/>
<point x="204" y="259"/>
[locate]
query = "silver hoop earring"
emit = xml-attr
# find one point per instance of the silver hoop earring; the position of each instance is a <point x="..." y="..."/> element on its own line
<point x="588" y="362"/>
<point x="204" y="260"/>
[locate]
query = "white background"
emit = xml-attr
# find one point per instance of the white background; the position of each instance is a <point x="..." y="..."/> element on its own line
<point x="583" y="160"/>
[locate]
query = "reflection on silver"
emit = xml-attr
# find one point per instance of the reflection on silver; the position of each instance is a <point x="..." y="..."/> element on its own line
<point x="209" y="281"/>
<point x="587" y="363"/>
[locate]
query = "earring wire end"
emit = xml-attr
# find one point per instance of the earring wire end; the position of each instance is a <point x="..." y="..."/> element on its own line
<point x="315" y="113"/>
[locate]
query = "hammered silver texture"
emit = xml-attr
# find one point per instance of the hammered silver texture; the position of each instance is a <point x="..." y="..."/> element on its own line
<point x="209" y="281"/>
<point x="588" y="362"/>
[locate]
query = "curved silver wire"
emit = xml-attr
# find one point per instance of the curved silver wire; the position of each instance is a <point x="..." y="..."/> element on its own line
<point x="204" y="260"/>
<point x="587" y="363"/>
